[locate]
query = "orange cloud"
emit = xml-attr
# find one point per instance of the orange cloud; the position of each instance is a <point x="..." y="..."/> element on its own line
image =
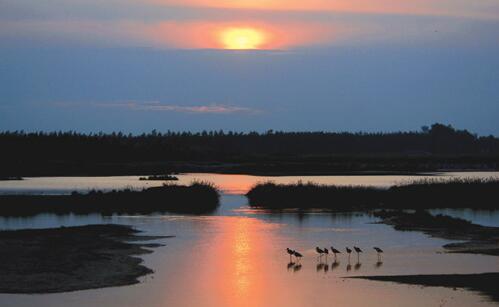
<point x="463" y="8"/>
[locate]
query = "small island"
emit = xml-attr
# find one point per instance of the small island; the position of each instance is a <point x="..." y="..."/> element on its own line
<point x="197" y="198"/>
<point x="159" y="178"/>
<point x="7" y="178"/>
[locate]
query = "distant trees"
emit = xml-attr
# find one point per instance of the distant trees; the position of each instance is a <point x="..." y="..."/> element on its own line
<point x="234" y="146"/>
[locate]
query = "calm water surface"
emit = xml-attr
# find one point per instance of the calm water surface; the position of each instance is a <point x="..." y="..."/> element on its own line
<point x="236" y="257"/>
<point x="229" y="184"/>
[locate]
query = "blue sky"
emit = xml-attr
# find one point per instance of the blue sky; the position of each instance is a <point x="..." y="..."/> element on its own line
<point x="353" y="65"/>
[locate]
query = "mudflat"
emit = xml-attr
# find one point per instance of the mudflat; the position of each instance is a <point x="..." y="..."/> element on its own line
<point x="485" y="283"/>
<point x="71" y="258"/>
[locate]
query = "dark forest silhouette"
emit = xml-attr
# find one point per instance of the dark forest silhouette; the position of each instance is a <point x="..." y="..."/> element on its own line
<point x="435" y="147"/>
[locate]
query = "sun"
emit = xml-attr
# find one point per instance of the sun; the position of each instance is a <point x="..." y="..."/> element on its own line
<point x="242" y="38"/>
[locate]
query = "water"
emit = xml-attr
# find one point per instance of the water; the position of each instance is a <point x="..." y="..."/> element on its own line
<point x="228" y="184"/>
<point x="236" y="257"/>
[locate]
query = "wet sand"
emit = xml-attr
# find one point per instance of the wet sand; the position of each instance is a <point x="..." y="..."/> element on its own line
<point x="485" y="283"/>
<point x="71" y="258"/>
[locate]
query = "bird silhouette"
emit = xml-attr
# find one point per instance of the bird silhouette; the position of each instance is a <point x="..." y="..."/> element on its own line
<point x="326" y="252"/>
<point x="379" y="251"/>
<point x="335" y="251"/>
<point x="291" y="253"/>
<point x="349" y="251"/>
<point x="297" y="255"/>
<point x="319" y="251"/>
<point x="358" y="251"/>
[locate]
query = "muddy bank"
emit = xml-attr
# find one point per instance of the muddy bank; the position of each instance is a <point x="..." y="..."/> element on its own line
<point x="485" y="284"/>
<point x="71" y="258"/>
<point x="477" y="239"/>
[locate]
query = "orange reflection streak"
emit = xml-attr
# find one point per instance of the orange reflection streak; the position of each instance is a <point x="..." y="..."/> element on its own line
<point x="237" y="274"/>
<point x="241" y="254"/>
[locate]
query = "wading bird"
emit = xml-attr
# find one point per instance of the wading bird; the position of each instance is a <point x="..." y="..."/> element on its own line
<point x="326" y="252"/>
<point x="349" y="251"/>
<point x="335" y="251"/>
<point x="319" y="251"/>
<point x="290" y="252"/>
<point x="379" y="251"/>
<point x="297" y="255"/>
<point x="358" y="251"/>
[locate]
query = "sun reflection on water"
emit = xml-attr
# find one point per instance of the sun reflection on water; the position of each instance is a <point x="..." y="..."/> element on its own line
<point x="241" y="251"/>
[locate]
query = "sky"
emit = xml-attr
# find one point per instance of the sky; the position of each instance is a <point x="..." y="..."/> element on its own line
<point x="248" y="65"/>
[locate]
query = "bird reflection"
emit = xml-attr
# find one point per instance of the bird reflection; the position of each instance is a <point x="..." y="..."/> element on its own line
<point x="349" y="267"/>
<point x="378" y="264"/>
<point x="357" y="265"/>
<point x="297" y="267"/>
<point x="293" y="266"/>
<point x="326" y="268"/>
<point x="320" y="266"/>
<point x="334" y="265"/>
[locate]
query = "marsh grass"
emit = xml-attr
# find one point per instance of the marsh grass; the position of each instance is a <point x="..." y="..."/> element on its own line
<point x="420" y="194"/>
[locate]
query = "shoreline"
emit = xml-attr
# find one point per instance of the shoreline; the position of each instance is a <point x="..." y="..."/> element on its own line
<point x="300" y="167"/>
<point x="283" y="173"/>
<point x="474" y="238"/>
<point x="483" y="283"/>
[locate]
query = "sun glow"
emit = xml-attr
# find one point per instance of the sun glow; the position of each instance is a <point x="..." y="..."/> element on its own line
<point x="242" y="38"/>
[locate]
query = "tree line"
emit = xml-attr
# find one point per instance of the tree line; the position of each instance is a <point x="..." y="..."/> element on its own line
<point x="233" y="146"/>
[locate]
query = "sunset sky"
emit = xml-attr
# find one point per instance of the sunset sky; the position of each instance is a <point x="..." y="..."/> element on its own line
<point x="138" y="65"/>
